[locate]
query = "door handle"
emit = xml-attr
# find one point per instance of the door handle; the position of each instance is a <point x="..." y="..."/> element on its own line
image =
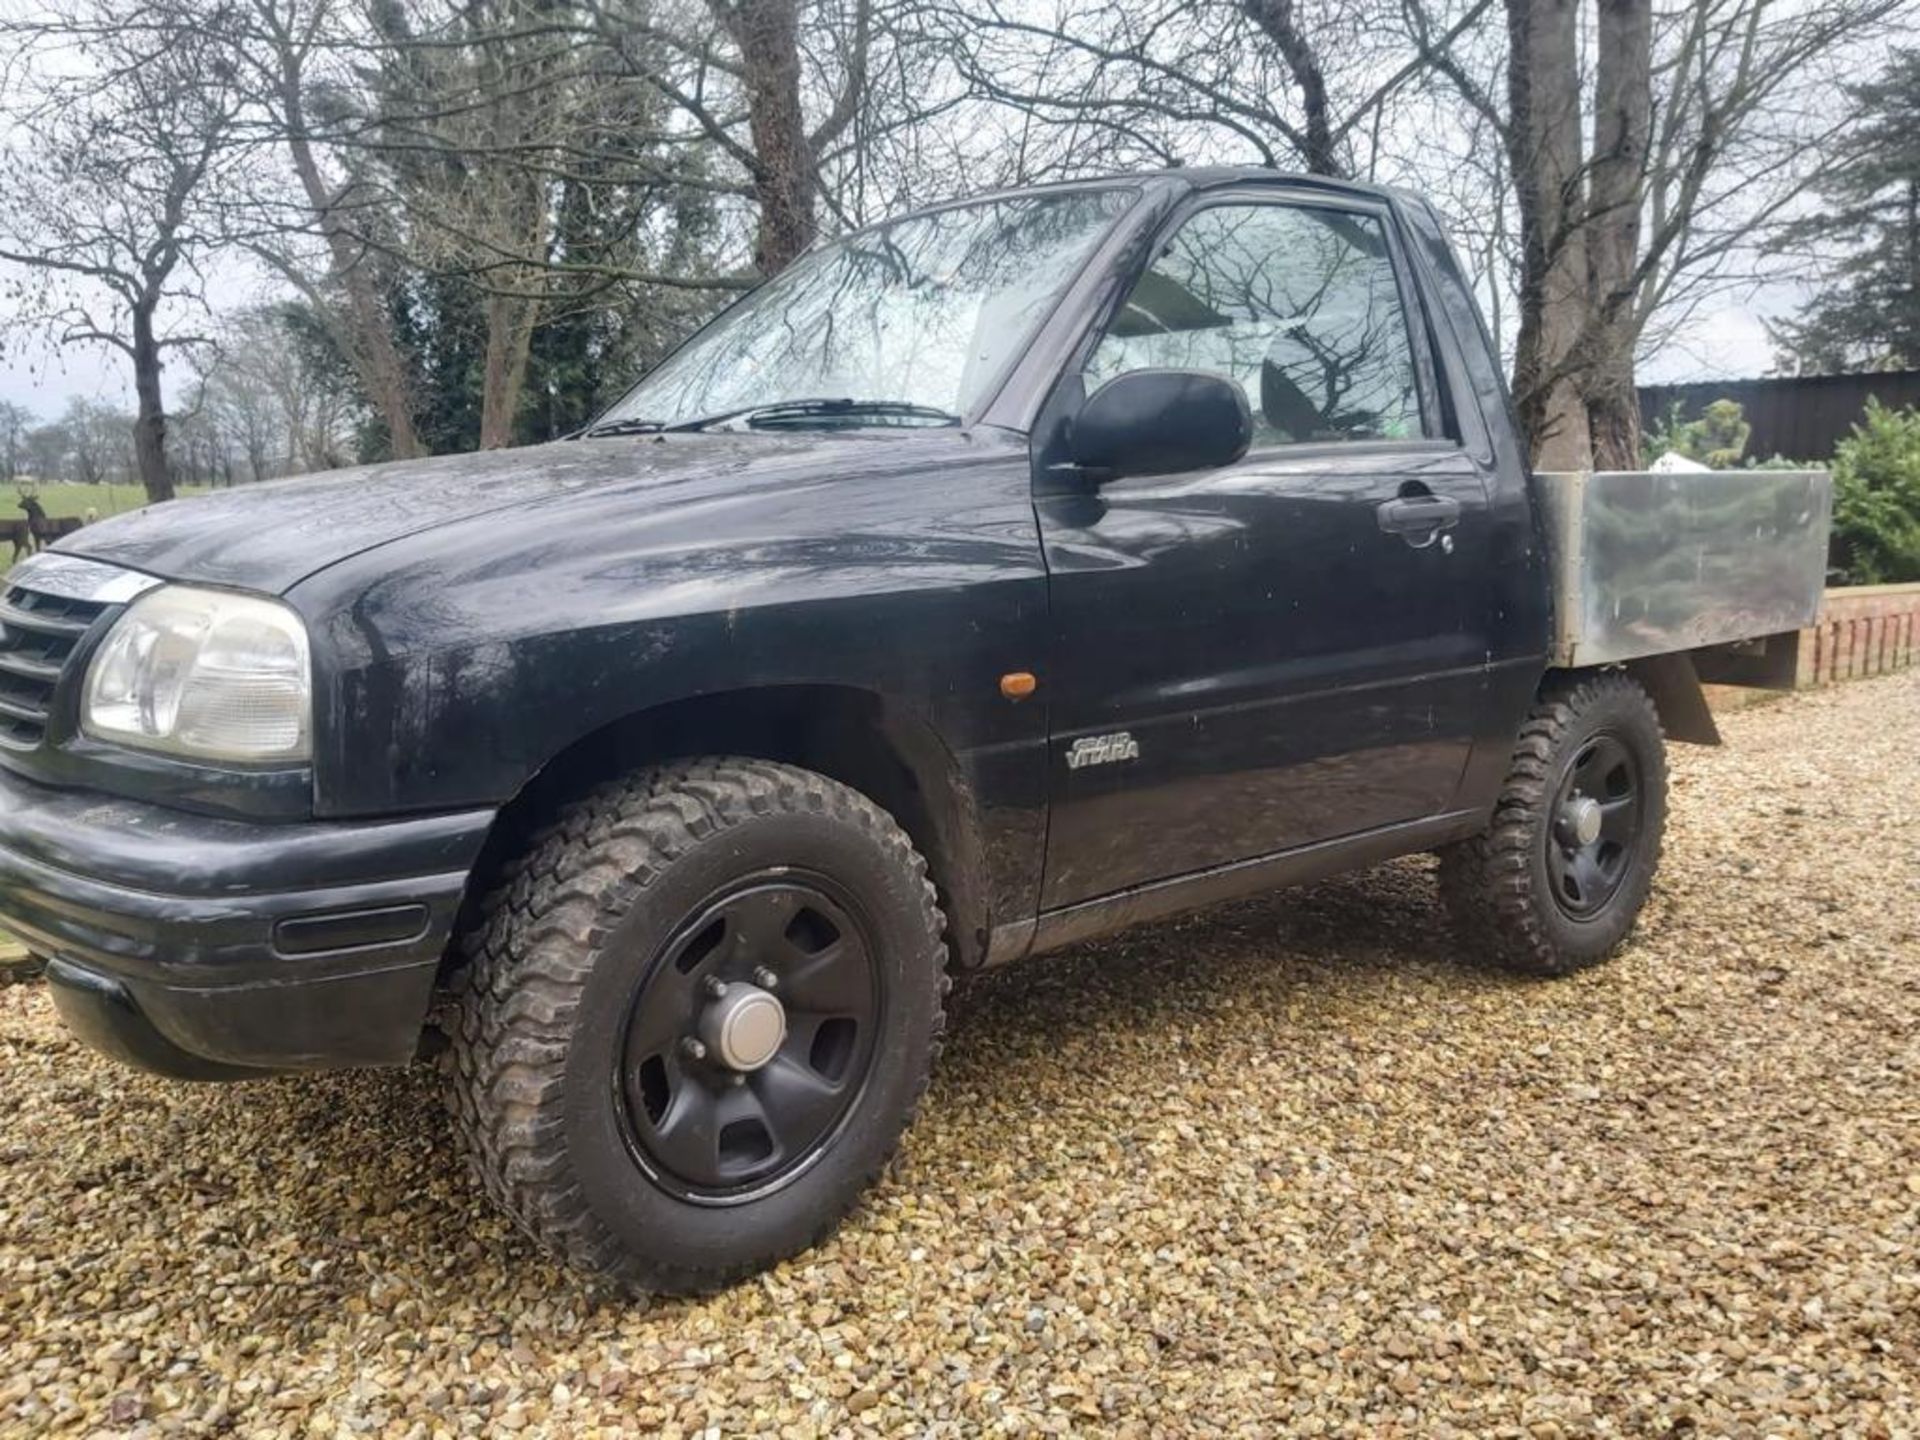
<point x="1418" y="516"/>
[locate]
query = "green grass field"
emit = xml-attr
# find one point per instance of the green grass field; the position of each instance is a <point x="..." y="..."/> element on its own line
<point x="64" y="499"/>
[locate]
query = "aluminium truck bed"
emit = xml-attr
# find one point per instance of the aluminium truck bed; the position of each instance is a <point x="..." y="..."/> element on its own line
<point x="1650" y="564"/>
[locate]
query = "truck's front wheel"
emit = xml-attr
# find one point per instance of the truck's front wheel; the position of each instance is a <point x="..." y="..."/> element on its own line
<point x="1558" y="877"/>
<point x="696" y="1020"/>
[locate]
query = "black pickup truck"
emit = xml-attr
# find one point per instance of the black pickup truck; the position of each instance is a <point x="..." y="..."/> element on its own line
<point x="995" y="577"/>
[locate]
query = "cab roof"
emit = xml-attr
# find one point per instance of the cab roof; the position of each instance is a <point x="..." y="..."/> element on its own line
<point x="1182" y="178"/>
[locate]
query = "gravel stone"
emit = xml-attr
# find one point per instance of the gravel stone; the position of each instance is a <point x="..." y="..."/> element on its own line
<point x="1286" y="1167"/>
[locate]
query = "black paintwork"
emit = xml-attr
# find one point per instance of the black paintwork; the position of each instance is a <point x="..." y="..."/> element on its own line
<point x="183" y="915"/>
<point x="1309" y="682"/>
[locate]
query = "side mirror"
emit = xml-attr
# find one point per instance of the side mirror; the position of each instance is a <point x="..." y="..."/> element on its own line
<point x="1160" y="422"/>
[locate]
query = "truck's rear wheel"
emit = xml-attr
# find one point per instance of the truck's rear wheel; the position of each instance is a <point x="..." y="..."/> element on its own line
<point x="1558" y="877"/>
<point x="696" y="1020"/>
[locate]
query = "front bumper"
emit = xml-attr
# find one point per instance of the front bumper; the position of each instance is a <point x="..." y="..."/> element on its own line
<point x="210" y="948"/>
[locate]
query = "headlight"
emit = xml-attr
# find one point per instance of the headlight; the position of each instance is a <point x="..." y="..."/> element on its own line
<point x="204" y="673"/>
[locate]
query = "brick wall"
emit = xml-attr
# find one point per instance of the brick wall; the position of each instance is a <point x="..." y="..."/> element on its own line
<point x="1862" y="631"/>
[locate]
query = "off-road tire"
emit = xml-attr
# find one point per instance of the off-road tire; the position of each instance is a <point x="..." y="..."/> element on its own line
<point x="564" y="943"/>
<point x="1496" y="885"/>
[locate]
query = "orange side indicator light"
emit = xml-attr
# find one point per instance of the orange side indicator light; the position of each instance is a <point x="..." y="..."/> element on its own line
<point x="1018" y="684"/>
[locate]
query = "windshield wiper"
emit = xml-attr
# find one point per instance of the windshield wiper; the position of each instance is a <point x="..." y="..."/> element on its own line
<point x="622" y="427"/>
<point x="799" y="412"/>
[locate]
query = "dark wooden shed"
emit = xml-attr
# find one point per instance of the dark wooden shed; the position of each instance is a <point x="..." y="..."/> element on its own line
<point x="1799" y="416"/>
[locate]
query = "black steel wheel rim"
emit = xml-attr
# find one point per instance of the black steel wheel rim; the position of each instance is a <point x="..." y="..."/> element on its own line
<point x="713" y="1134"/>
<point x="1587" y="872"/>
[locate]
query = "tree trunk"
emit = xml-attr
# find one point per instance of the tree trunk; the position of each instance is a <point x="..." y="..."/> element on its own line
<point x="376" y="359"/>
<point x="150" y="418"/>
<point x="1278" y="21"/>
<point x="785" y="182"/>
<point x="368" y="332"/>
<point x="511" y="318"/>
<point x="1623" y="118"/>
<point x="1543" y="141"/>
<point x="510" y="322"/>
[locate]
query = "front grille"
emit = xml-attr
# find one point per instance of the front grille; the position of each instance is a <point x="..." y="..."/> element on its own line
<point x="38" y="633"/>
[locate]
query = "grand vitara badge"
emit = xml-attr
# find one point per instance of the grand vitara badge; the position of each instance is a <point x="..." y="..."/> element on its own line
<point x="1101" y="750"/>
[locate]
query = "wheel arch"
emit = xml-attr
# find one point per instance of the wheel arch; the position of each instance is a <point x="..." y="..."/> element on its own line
<point x="1673" y="685"/>
<point x="852" y="735"/>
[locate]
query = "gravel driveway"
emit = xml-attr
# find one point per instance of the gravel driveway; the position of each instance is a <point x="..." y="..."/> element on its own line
<point x="1289" y="1166"/>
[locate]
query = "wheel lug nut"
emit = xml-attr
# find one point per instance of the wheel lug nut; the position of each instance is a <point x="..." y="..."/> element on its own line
<point x="716" y="987"/>
<point x="765" y="978"/>
<point x="693" y="1049"/>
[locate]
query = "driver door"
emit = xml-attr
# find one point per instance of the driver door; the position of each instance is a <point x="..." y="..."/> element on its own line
<point x="1257" y="658"/>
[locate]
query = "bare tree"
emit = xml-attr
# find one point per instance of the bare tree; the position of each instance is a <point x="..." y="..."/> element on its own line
<point x="48" y="447"/>
<point x="435" y="144"/>
<point x="15" y="422"/>
<point x="97" y="441"/>
<point x="107" y="174"/>
<point x="482" y="122"/>
<point x="1280" y="21"/>
<point x="772" y="86"/>
<point x="464" y="130"/>
<point x="1710" y="122"/>
<point x="239" y="403"/>
<point x="284" y="43"/>
<point x="202" y="453"/>
<point x="1299" y="84"/>
<point x="261" y="395"/>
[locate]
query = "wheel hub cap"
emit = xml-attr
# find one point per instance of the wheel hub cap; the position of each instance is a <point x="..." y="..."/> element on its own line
<point x="743" y="1027"/>
<point x="1581" y="817"/>
<point x="1595" y="834"/>
<point x="750" y="1036"/>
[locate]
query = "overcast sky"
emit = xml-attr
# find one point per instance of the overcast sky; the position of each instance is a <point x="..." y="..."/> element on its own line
<point x="43" y="381"/>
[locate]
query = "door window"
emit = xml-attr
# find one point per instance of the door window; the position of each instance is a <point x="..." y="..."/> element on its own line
<point x="1297" y="305"/>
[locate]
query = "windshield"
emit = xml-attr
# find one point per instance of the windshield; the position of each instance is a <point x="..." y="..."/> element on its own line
<point x="913" y="320"/>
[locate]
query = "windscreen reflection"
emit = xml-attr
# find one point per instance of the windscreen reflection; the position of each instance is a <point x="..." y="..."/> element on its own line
<point x="925" y="312"/>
